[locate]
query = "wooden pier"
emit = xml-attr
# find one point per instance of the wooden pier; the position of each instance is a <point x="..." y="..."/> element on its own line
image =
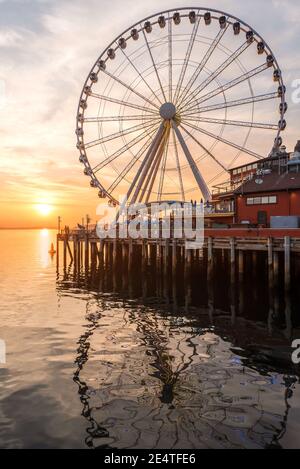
<point x="84" y="248"/>
<point x="168" y="269"/>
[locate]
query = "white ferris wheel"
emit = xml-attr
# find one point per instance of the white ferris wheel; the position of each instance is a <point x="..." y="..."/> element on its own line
<point x="174" y="102"/>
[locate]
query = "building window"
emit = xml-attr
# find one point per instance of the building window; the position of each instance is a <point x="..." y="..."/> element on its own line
<point x="265" y="200"/>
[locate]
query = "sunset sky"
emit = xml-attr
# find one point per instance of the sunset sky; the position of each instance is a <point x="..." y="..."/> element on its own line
<point x="47" y="48"/>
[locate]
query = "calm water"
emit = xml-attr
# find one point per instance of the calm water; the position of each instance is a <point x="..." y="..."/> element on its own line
<point x="98" y="361"/>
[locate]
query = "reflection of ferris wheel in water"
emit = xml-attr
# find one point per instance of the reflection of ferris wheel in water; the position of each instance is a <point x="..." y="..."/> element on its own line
<point x="175" y="102"/>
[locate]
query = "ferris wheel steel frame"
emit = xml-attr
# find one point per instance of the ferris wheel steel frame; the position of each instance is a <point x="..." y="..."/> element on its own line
<point x="160" y="121"/>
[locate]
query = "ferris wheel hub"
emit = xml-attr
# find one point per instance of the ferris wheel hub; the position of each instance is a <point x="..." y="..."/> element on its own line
<point x="167" y="111"/>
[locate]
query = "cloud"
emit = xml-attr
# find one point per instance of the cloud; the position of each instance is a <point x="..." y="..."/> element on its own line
<point x="47" y="50"/>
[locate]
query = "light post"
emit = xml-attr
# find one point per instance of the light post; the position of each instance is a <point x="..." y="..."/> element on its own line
<point x="59" y="222"/>
<point x="88" y="220"/>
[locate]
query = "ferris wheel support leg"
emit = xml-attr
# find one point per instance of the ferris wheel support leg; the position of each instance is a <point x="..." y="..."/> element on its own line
<point x="197" y="175"/>
<point x="144" y="168"/>
<point x="152" y="172"/>
<point x="157" y="163"/>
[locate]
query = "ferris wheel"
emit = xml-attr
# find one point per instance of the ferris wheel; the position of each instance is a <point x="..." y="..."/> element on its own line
<point x="174" y="102"/>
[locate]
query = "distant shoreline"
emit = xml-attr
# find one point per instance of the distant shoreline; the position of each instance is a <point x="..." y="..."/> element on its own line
<point x="24" y="228"/>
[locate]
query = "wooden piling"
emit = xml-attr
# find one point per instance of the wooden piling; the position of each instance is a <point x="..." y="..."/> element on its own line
<point x="130" y="254"/>
<point x="232" y="279"/>
<point x="174" y="256"/>
<point x="115" y="252"/>
<point x="101" y="253"/>
<point x="86" y="250"/>
<point x="287" y="263"/>
<point x="271" y="280"/>
<point x="209" y="258"/>
<point x="166" y="257"/>
<point x="276" y="282"/>
<point x="65" y="253"/>
<point x="241" y="262"/>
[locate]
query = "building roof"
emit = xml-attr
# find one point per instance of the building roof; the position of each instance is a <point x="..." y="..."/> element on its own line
<point x="271" y="182"/>
<point x="282" y="156"/>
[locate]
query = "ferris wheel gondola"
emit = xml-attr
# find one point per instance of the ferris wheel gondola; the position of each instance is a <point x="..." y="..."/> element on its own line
<point x="174" y="101"/>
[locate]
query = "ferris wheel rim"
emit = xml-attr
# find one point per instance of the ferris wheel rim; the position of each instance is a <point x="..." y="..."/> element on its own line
<point x="199" y="12"/>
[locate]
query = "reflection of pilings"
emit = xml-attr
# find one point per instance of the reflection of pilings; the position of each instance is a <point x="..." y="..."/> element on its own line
<point x="94" y="430"/>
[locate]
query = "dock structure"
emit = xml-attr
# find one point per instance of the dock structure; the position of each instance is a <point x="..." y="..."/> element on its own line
<point x="84" y="248"/>
<point x="172" y="268"/>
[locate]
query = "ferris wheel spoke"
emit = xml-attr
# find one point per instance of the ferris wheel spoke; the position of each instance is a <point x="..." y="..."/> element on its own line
<point x="141" y="76"/>
<point x="226" y="142"/>
<point x="154" y="65"/>
<point x="202" y="64"/>
<point x="186" y="59"/>
<point x="114" y="136"/>
<point x="123" y="103"/>
<point x="122" y="150"/>
<point x="209" y="153"/>
<point x="130" y="165"/>
<point x="144" y="167"/>
<point x="193" y="166"/>
<point x="178" y="166"/>
<point x="129" y="88"/>
<point x="161" y="152"/>
<point x="216" y="73"/>
<point x="228" y="104"/>
<point x="90" y="120"/>
<point x="230" y="84"/>
<point x="162" y="173"/>
<point x="254" y="125"/>
<point x="170" y="60"/>
<point x="217" y="176"/>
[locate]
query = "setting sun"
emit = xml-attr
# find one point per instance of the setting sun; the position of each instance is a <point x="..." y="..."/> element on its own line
<point x="44" y="209"/>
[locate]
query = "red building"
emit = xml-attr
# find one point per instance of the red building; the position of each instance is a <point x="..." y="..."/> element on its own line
<point x="258" y="191"/>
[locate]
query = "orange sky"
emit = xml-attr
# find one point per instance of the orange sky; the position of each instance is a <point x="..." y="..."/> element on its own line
<point x="46" y="53"/>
